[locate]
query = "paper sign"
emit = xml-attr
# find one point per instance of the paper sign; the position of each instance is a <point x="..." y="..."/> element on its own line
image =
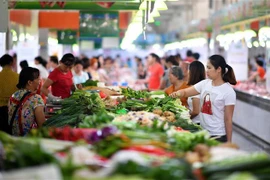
<point x="27" y="51"/>
<point x="237" y="58"/>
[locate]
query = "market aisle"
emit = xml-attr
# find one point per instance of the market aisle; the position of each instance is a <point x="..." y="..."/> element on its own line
<point x="246" y="142"/>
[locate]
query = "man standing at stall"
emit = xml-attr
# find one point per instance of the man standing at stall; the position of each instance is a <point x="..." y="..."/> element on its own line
<point x="155" y="72"/>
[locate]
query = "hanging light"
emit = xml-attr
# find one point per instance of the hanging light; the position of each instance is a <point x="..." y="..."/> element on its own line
<point x="137" y="19"/>
<point x="160" y="5"/>
<point x="155" y="13"/>
<point x="143" y="5"/>
<point x="139" y="13"/>
<point x="151" y="19"/>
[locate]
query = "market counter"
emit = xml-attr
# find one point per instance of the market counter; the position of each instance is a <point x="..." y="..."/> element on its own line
<point x="252" y="114"/>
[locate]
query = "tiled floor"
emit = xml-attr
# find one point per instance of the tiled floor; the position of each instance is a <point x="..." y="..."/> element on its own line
<point x="244" y="143"/>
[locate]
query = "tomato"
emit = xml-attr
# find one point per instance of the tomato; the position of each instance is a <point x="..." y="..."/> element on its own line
<point x="102" y="94"/>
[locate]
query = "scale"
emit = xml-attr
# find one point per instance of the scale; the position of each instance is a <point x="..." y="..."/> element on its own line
<point x="52" y="108"/>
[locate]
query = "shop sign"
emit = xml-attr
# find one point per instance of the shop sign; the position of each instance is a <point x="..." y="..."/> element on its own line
<point x="67" y="37"/>
<point x="99" y="24"/>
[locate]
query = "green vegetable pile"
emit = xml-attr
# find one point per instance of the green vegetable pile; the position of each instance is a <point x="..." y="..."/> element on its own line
<point x="90" y="83"/>
<point x="170" y="169"/>
<point x="258" y="164"/>
<point x="20" y="153"/>
<point x="75" y="108"/>
<point x="95" y="120"/>
<point x="132" y="94"/>
<point x="165" y="104"/>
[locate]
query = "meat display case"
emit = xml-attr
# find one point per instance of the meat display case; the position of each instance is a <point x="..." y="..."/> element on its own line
<point x="252" y="112"/>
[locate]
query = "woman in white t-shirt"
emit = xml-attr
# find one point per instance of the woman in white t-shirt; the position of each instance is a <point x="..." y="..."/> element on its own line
<point x="217" y="98"/>
<point x="41" y="64"/>
<point x="196" y="74"/>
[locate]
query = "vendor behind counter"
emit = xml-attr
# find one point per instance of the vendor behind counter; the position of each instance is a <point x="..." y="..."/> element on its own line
<point x="60" y="79"/>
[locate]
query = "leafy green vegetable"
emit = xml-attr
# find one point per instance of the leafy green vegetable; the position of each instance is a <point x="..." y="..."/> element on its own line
<point x="187" y="141"/>
<point x="20" y="153"/>
<point x="90" y="83"/>
<point x="171" y="169"/>
<point x="75" y="108"/>
<point x="130" y="93"/>
<point x="95" y="120"/>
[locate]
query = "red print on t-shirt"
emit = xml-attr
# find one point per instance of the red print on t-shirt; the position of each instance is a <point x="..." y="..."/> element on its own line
<point x="207" y="106"/>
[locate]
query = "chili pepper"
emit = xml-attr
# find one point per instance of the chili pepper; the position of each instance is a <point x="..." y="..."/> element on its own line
<point x="151" y="150"/>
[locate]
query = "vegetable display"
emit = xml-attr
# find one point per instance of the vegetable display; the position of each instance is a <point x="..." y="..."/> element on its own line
<point x="75" y="108"/>
<point x="136" y="137"/>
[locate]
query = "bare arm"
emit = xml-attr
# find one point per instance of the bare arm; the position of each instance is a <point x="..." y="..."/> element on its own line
<point x="46" y="85"/>
<point x="228" y="121"/>
<point x="253" y="76"/>
<point x="188" y="92"/>
<point x="40" y="116"/>
<point x="143" y="81"/>
<point x="162" y="84"/>
<point x="196" y="107"/>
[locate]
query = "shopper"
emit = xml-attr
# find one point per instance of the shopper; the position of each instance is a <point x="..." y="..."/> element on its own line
<point x="170" y="62"/>
<point x="103" y="76"/>
<point x="258" y="76"/>
<point x="217" y="97"/>
<point x="93" y="69"/>
<point x="24" y="64"/>
<point x="196" y="75"/>
<point x="53" y="63"/>
<point x="176" y="79"/>
<point x="41" y="65"/>
<point x="189" y="58"/>
<point x="8" y="81"/>
<point x="14" y="66"/>
<point x="196" y="56"/>
<point x="178" y="58"/>
<point x="60" y="79"/>
<point x="26" y="108"/>
<point x="141" y="73"/>
<point x="79" y="76"/>
<point x="86" y="65"/>
<point x="155" y="72"/>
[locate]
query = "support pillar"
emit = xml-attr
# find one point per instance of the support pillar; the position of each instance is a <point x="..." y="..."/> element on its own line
<point x="43" y="35"/>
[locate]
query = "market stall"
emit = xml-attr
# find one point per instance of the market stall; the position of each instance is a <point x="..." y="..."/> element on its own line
<point x="135" y="135"/>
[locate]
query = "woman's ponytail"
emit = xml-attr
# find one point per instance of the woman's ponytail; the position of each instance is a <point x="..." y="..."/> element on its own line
<point x="226" y="70"/>
<point x="229" y="75"/>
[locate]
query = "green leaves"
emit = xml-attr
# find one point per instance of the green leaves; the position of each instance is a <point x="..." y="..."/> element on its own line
<point x="130" y="93"/>
<point x="94" y="121"/>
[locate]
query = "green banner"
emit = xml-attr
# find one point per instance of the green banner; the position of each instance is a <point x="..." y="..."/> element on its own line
<point x="99" y="24"/>
<point x="67" y="37"/>
<point x="90" y="6"/>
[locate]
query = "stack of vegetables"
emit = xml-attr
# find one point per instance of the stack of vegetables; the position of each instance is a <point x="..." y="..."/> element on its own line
<point x="140" y="137"/>
<point x="75" y="108"/>
<point x="147" y="153"/>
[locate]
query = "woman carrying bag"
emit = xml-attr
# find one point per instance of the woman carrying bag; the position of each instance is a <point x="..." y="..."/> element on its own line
<point x="26" y="108"/>
<point x="217" y="98"/>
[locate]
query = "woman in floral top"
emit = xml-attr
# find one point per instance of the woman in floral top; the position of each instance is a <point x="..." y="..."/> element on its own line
<point x="31" y="112"/>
